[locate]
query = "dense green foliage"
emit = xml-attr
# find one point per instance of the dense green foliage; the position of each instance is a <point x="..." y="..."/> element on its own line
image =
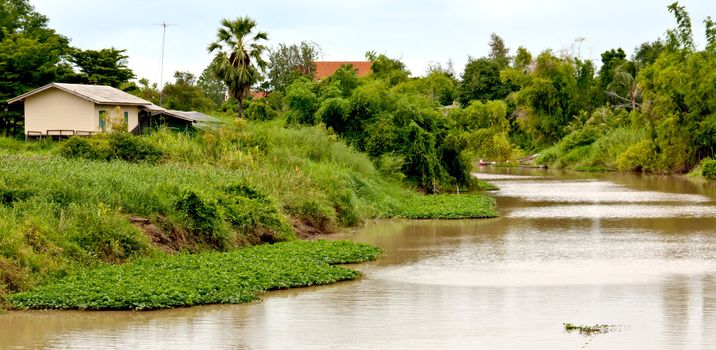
<point x="184" y="94"/>
<point x="101" y="67"/>
<point x="655" y="112"/>
<point x="209" y="278"/>
<point x="121" y="146"/>
<point x="708" y="169"/>
<point x="390" y="116"/>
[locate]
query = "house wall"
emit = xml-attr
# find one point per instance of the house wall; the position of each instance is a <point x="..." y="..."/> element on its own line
<point x="110" y="110"/>
<point x="54" y="109"/>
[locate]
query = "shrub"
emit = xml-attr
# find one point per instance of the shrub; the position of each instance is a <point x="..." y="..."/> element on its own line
<point x="203" y="217"/>
<point x="253" y="213"/>
<point x="77" y="147"/>
<point x="133" y="149"/>
<point x="106" y="233"/>
<point x="390" y="165"/>
<point x="117" y="145"/>
<point x="709" y="169"/>
<point x="260" y="109"/>
<point x="638" y="157"/>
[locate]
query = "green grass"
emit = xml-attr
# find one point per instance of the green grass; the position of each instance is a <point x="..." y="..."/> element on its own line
<point x="209" y="278"/>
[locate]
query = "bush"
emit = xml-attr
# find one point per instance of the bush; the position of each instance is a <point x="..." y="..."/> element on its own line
<point x="133" y="149"/>
<point x="709" y="169"/>
<point x="77" y="147"/>
<point x="106" y="233"/>
<point x="203" y="217"/>
<point x="118" y="145"/>
<point x="252" y="212"/>
<point x="638" y="157"/>
<point x="260" y="109"/>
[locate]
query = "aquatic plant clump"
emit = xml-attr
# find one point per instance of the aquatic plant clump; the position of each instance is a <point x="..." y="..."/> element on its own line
<point x="448" y="206"/>
<point x="196" y="279"/>
<point x="587" y="330"/>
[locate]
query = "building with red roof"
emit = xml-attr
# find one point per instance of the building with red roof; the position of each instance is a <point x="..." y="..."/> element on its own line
<point x="325" y="69"/>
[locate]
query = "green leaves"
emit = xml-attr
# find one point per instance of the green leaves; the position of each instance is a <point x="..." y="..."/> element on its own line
<point x="102" y="67"/>
<point x="450" y="206"/>
<point x="210" y="278"/>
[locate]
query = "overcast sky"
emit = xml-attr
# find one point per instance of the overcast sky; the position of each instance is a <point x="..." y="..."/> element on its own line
<point x="416" y="31"/>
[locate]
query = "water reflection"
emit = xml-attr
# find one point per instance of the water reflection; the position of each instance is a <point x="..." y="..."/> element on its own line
<point x="613" y="249"/>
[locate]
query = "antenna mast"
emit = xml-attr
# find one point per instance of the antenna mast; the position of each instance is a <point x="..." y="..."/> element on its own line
<point x="164" y="25"/>
<point x="161" y="70"/>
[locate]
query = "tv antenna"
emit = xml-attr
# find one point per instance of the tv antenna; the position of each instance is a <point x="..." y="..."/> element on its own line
<point x="164" y="25"/>
<point x="578" y="41"/>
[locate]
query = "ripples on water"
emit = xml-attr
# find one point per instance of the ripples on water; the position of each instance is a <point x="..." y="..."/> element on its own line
<point x="627" y="250"/>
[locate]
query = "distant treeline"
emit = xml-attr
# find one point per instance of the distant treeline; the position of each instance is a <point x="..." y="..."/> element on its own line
<point x="653" y="111"/>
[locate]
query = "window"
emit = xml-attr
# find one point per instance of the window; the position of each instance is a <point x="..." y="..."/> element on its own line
<point x="103" y="120"/>
<point x="126" y="118"/>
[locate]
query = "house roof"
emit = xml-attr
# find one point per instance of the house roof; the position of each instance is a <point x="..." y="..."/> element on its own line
<point x="99" y="94"/>
<point x="193" y="116"/>
<point x="325" y="69"/>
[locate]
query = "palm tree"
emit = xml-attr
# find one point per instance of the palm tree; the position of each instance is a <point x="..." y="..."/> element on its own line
<point x="238" y="60"/>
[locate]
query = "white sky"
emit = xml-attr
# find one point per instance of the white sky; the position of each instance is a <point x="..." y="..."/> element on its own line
<point x="417" y="31"/>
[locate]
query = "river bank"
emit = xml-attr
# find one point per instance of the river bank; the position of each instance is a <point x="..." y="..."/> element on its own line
<point x="215" y="191"/>
<point x="610" y="248"/>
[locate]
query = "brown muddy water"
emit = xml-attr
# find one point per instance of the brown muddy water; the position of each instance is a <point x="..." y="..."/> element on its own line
<point x="634" y="251"/>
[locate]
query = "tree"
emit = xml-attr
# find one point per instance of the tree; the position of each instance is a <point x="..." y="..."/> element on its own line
<point x="710" y="34"/>
<point x="238" y="57"/>
<point x="213" y="87"/>
<point x="31" y="55"/>
<point x="481" y="81"/>
<point x="523" y="60"/>
<point x="547" y="98"/>
<point x="390" y="70"/>
<point x="647" y="53"/>
<point x="102" y="67"/>
<point x="185" y="95"/>
<point x="18" y="16"/>
<point x="147" y="91"/>
<point x="302" y="102"/>
<point x="680" y="37"/>
<point x="421" y="159"/>
<point x="481" y="78"/>
<point x="289" y="62"/>
<point x="498" y="51"/>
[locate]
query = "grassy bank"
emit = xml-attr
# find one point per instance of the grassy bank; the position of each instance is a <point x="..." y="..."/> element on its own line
<point x="64" y="209"/>
<point x="195" y="279"/>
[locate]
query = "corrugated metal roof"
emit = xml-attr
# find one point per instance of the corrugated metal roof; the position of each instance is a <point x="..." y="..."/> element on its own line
<point x="99" y="94"/>
<point x="193" y="116"/>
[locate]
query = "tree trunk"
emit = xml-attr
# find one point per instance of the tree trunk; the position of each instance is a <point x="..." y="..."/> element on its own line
<point x="240" y="107"/>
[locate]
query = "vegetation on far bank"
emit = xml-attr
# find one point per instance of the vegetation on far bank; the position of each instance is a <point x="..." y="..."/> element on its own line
<point x="195" y="279"/>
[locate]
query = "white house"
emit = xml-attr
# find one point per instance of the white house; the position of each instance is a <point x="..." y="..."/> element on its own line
<point x="60" y="109"/>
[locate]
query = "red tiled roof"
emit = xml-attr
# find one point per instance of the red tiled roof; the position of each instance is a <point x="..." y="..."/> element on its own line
<point x="325" y="69"/>
<point x="258" y="94"/>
